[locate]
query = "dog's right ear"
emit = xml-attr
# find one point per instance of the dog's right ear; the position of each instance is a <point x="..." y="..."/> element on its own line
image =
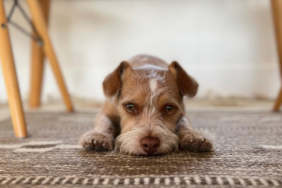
<point x="113" y="82"/>
<point x="186" y="83"/>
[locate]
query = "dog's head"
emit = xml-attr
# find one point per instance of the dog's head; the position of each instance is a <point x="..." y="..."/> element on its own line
<point x="150" y="102"/>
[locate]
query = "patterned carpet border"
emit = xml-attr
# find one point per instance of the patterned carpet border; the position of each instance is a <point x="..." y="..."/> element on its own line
<point x="166" y="181"/>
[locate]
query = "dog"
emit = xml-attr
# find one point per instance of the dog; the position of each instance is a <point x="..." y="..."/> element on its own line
<point x="144" y="112"/>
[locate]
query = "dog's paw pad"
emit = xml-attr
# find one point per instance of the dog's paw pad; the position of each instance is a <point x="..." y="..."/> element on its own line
<point x="95" y="141"/>
<point x="195" y="143"/>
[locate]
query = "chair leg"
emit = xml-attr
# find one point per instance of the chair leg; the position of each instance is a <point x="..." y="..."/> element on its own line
<point x="37" y="64"/>
<point x="10" y="77"/>
<point x="40" y="25"/>
<point x="278" y="102"/>
<point x="277" y="18"/>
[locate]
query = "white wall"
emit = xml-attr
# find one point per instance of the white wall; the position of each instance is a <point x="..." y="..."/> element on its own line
<point x="227" y="45"/>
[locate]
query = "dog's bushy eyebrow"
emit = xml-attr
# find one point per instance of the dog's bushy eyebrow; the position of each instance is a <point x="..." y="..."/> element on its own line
<point x="129" y="101"/>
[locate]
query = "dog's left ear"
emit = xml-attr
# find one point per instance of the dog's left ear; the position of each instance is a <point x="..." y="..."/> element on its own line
<point x="186" y="84"/>
<point x="113" y="82"/>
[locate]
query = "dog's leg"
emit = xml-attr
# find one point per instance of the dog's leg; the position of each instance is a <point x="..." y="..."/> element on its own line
<point x="191" y="139"/>
<point x="102" y="137"/>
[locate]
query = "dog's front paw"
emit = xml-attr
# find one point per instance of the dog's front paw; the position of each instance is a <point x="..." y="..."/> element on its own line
<point x="96" y="141"/>
<point x="195" y="142"/>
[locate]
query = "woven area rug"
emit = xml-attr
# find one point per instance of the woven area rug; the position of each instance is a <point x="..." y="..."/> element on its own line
<point x="248" y="152"/>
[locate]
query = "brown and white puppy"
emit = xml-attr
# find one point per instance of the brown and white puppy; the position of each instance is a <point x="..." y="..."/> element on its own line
<point x="144" y="113"/>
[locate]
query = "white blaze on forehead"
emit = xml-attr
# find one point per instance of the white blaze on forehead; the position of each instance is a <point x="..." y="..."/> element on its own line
<point x="153" y="84"/>
<point x="151" y="67"/>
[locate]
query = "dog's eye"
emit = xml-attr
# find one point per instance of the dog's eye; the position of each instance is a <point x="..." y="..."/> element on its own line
<point x="169" y="109"/>
<point x="130" y="108"/>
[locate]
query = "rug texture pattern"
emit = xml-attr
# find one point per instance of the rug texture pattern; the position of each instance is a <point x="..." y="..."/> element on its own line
<point x="248" y="152"/>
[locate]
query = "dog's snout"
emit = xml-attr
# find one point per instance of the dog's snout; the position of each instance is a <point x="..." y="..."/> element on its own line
<point x="150" y="145"/>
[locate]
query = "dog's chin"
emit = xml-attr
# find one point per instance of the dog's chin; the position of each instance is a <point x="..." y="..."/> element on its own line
<point x="129" y="142"/>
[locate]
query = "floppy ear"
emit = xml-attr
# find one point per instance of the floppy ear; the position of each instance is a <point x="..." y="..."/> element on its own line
<point x="113" y="82"/>
<point x="186" y="84"/>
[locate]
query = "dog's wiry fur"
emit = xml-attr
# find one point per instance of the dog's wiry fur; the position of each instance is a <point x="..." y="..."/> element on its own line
<point x="150" y="84"/>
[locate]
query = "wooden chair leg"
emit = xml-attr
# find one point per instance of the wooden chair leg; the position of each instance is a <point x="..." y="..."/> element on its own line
<point x="41" y="27"/>
<point x="37" y="63"/>
<point x="278" y="102"/>
<point x="277" y="18"/>
<point x="10" y="77"/>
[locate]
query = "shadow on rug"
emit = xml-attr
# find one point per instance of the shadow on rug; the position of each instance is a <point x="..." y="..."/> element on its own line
<point x="248" y="150"/>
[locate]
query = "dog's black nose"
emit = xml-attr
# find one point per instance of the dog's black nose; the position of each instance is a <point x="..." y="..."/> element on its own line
<point x="150" y="145"/>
